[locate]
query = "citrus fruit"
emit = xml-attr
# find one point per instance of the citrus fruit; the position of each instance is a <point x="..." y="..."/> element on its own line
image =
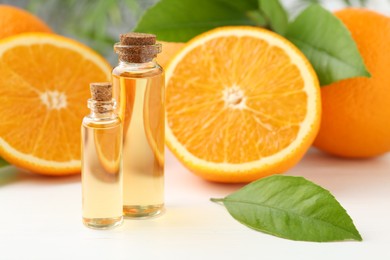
<point x="356" y="112"/>
<point x="44" y="81"/>
<point x="241" y="103"/>
<point x="15" y="21"/>
<point x="169" y="49"/>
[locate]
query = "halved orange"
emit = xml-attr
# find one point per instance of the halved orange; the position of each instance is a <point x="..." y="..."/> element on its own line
<point x="241" y="103"/>
<point x="44" y="87"/>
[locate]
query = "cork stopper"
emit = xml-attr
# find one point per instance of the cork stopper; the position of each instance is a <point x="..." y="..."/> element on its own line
<point x="137" y="47"/>
<point x="101" y="91"/>
<point x="134" y="38"/>
<point x="101" y="100"/>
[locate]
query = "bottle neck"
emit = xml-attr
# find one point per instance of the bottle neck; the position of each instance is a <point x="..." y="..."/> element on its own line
<point x="137" y="65"/>
<point x="101" y="109"/>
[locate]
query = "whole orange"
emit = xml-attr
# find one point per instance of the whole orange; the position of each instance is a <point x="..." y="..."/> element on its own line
<point x="356" y="112"/>
<point x="169" y="50"/>
<point x="14" y="21"/>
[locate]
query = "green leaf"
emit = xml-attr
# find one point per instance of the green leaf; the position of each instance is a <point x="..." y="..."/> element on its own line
<point x="328" y="45"/>
<point x="275" y="15"/>
<point x="293" y="208"/>
<point x="3" y="163"/>
<point x="181" y="20"/>
<point x="257" y="17"/>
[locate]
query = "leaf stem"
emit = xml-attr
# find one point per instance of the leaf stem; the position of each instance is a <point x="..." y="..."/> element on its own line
<point x="218" y="200"/>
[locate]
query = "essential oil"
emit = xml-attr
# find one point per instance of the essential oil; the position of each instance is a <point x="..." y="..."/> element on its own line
<point x="139" y="87"/>
<point x="102" y="160"/>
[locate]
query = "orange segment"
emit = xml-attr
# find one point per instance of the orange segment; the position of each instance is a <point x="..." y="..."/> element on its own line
<point x="242" y="103"/>
<point x="43" y="91"/>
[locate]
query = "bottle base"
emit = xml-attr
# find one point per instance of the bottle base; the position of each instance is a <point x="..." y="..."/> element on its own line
<point x="102" y="223"/>
<point x="137" y="211"/>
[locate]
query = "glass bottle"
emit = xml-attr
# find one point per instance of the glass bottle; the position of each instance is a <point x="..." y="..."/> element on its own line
<point x="101" y="151"/>
<point x="138" y="83"/>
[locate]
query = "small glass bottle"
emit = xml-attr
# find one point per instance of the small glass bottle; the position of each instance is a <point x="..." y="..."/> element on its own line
<point x="101" y="151"/>
<point x="138" y="83"/>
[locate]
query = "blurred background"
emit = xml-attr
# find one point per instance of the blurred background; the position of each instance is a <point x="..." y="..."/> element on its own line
<point x="98" y="23"/>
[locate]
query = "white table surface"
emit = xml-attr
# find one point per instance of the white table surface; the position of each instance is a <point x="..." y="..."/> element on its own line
<point x="41" y="218"/>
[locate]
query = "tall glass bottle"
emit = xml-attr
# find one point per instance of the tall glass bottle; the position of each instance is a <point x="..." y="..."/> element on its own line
<point x="139" y="86"/>
<point x="101" y="150"/>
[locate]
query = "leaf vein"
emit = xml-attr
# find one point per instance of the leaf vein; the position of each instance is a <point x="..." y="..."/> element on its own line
<point x="292" y="213"/>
